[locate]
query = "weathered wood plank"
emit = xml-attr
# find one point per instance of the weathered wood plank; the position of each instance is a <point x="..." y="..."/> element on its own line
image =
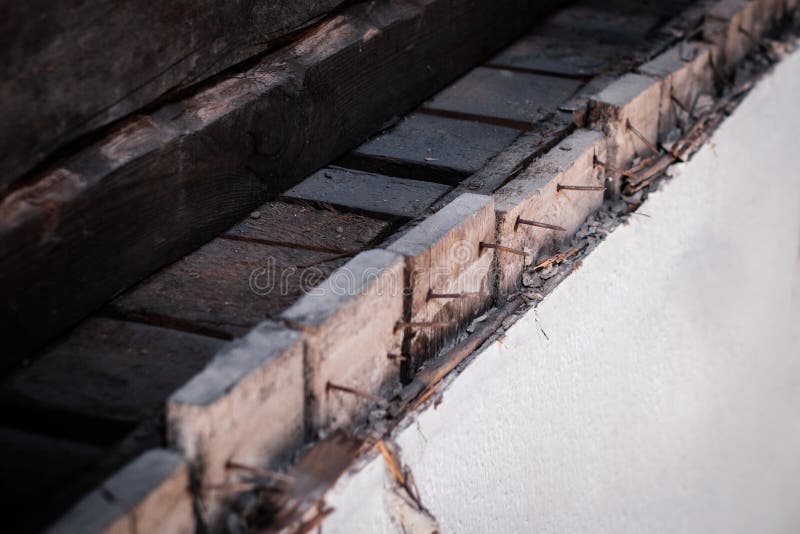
<point x="226" y="287"/>
<point x="107" y="59"/>
<point x="444" y="256"/>
<point x="723" y="27"/>
<point x="621" y="23"/>
<point x="627" y="111"/>
<point x="351" y="327"/>
<point x="367" y="192"/>
<point x="431" y="148"/>
<point x="111" y="370"/>
<point x="246" y="407"/>
<point x="162" y="185"/>
<point x="534" y="196"/>
<point x="686" y="73"/>
<point x="310" y="227"/>
<point x="560" y="53"/>
<point x="150" y="494"/>
<point x="517" y="98"/>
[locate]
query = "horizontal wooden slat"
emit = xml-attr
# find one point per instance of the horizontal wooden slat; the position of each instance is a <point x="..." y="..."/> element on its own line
<point x="372" y="193"/>
<point x="431" y="148"/>
<point x="561" y="53"/>
<point x="111" y="369"/>
<point x="515" y="97"/>
<point x="226" y="287"/>
<point x="310" y="227"/>
<point x="107" y="59"/>
<point x="162" y="185"/>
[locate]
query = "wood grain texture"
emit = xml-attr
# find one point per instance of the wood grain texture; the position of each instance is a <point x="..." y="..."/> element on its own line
<point x="561" y="53"/>
<point x="632" y="99"/>
<point x="226" y="287"/>
<point x="722" y="28"/>
<point x="307" y="226"/>
<point x="623" y="22"/>
<point x="443" y="255"/>
<point x="534" y="196"/>
<point x="367" y="192"/>
<point x="110" y="58"/>
<point x="111" y="369"/>
<point x="160" y="185"/>
<point x="431" y="148"/>
<point x="517" y="98"/>
<point x="246" y="407"/>
<point x="350" y="326"/>
<point x="686" y="73"/>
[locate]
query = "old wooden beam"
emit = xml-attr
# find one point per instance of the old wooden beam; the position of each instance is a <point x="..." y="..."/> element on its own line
<point x="534" y="196"/>
<point x="162" y="184"/>
<point x="350" y="326"/>
<point x="445" y="254"/>
<point x="67" y="69"/>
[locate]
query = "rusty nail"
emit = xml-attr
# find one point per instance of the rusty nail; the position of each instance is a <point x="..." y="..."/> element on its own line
<point x="641" y="136"/>
<point x="677" y="101"/>
<point x="259" y="471"/>
<point x="555" y="227"/>
<point x="396" y="357"/>
<point x="749" y="35"/>
<point x="580" y="187"/>
<point x="608" y="167"/>
<point x="432" y="295"/>
<point x="344" y="389"/>
<point x="722" y="77"/>
<point x="502" y="248"/>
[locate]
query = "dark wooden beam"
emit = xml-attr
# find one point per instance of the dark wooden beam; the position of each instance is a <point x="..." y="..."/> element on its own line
<point x="67" y="68"/>
<point x="161" y="185"/>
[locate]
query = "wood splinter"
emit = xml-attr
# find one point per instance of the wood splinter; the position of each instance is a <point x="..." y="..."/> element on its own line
<point x="539" y="225"/>
<point x="412" y="324"/>
<point x="581" y="187"/>
<point x="260" y="472"/>
<point x="465" y="294"/>
<point x="650" y="146"/>
<point x="344" y="389"/>
<point x="502" y="248"/>
<point x="678" y="103"/>
<point x="610" y="168"/>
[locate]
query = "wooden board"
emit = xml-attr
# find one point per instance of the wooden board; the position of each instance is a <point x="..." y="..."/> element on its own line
<point x="110" y="369"/>
<point x="159" y="186"/>
<point x="246" y="407"/>
<point x="107" y="59"/>
<point x="350" y="326"/>
<point x="559" y="53"/>
<point x="608" y="24"/>
<point x="431" y="148"/>
<point x="686" y="73"/>
<point x="226" y="287"/>
<point x="310" y="227"/>
<point x="515" y="98"/>
<point x="149" y="494"/>
<point x="534" y="196"/>
<point x="444" y="256"/>
<point x="367" y="192"/>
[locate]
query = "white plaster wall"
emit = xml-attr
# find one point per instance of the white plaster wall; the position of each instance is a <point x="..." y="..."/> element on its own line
<point x="667" y="398"/>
